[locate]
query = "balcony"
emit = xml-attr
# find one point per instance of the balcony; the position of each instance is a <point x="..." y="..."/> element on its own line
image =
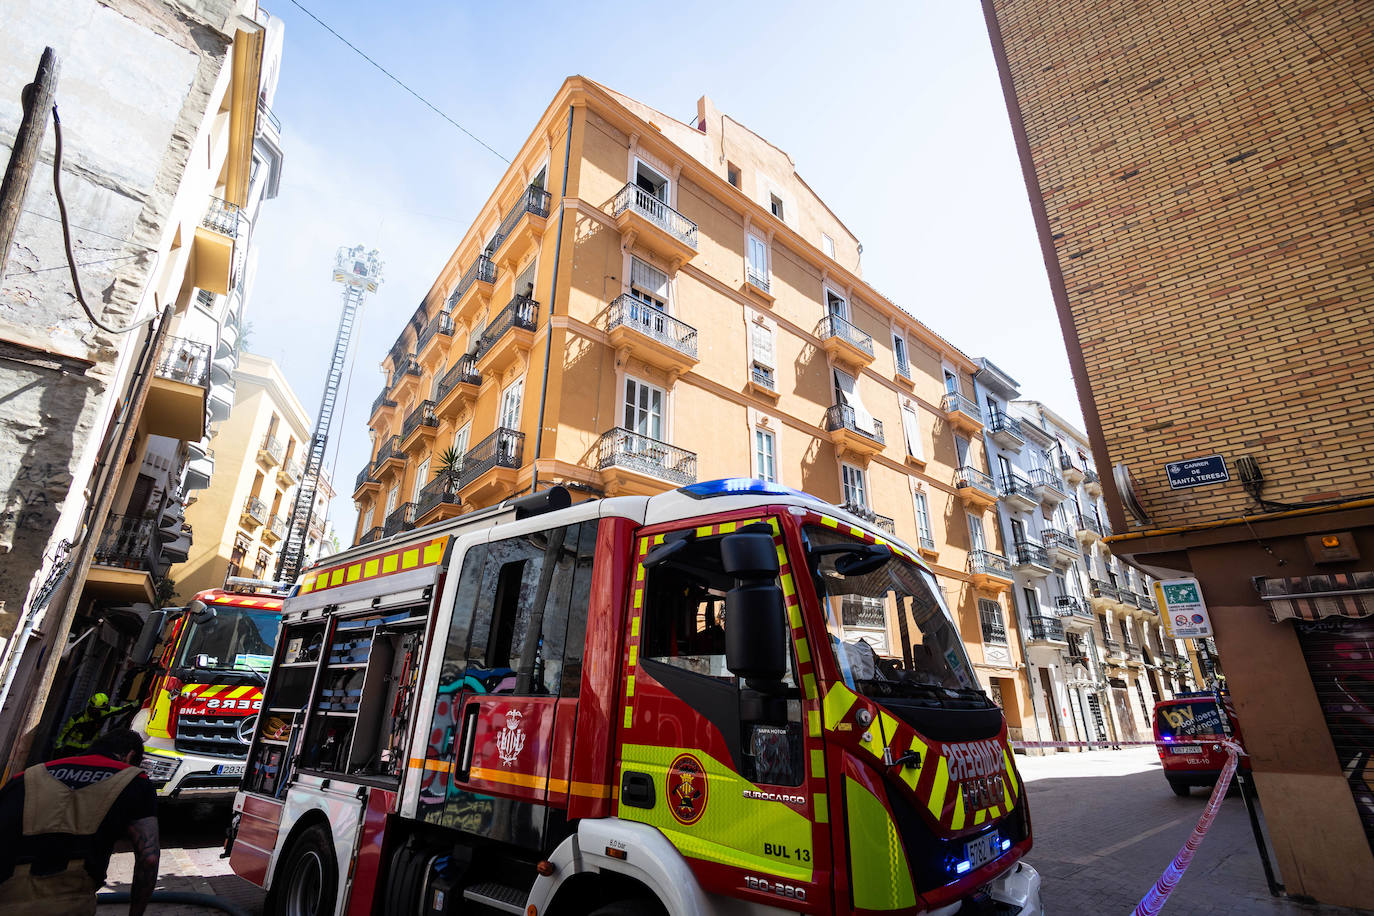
<point x="438" y="501"/>
<point x="176" y="402"/>
<point x="254" y="513"/>
<point x="268" y="119"/>
<point x="853" y="434"/>
<point x="405" y="379"/>
<point x="903" y="367"/>
<point x="437" y="332"/>
<point x="1017" y="493"/>
<point x="125" y="561"/>
<point x="962" y="413"/>
<point x="381" y="403"/>
<point x="390" y="457"/>
<point x="403" y="519"/>
<point x="271" y="451"/>
<point x="212" y="252"/>
<point x="1104" y="595"/>
<point x="763" y="381"/>
<point x="1070" y="607"/>
<point x="459" y="386"/>
<point x="490" y="468"/>
<point x="1049" y="489"/>
<point x="290" y="472"/>
<point x="989" y="570"/>
<point x="367" y="480"/>
<point x="652" y="225"/>
<point x="1073" y="474"/>
<point x="1091" y="483"/>
<point x="507" y="340"/>
<point x="757" y="281"/>
<point x="475" y="285"/>
<point x="650" y="336"/>
<point x="1032" y="558"/>
<point x="1006" y="431"/>
<point x="974" y="487"/>
<point x="274" y="530"/>
<point x="1046" y="629"/>
<point x="1062" y="547"/>
<point x="419" y="427"/>
<point x="522" y="227"/>
<point x="1088" y="529"/>
<point x="844" y="342"/>
<point x="634" y="464"/>
<point x="881" y="522"/>
<point x="371" y="535"/>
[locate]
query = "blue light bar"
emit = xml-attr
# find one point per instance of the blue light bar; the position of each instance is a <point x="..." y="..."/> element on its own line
<point x="963" y="867"/>
<point x="734" y="486"/>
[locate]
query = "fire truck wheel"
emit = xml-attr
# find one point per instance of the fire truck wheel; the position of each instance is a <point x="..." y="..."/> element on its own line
<point x="1181" y="789"/>
<point x="637" y="906"/>
<point x="309" y="877"/>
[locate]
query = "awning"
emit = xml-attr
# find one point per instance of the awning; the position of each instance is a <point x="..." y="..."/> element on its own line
<point x="1315" y="597"/>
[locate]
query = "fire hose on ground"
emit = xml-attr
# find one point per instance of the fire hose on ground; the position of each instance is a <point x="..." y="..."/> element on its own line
<point x="205" y="900"/>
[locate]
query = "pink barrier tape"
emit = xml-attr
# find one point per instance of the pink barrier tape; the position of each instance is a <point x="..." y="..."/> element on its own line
<point x="1020" y="745"/>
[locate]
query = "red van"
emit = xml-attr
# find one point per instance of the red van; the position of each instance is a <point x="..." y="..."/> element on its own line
<point x="1187" y="729"/>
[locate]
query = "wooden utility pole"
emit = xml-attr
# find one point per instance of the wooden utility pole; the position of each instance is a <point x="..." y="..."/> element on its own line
<point x="37" y="101"/>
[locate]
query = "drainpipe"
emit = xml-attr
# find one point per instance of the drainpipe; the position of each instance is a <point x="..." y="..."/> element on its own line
<point x="553" y="290"/>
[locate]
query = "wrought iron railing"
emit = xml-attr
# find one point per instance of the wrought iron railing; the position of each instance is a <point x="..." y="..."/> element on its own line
<point x="904" y="367"/>
<point x="1126" y="596"/>
<point x="755" y="277"/>
<point x="441" y="324"/>
<point x="1015" y="485"/>
<point x="763" y="377"/>
<point x="402" y="519"/>
<point x="837" y="327"/>
<point x="926" y="541"/>
<point x="294" y="468"/>
<point x="533" y="200"/>
<point x="1090" y="477"/>
<point x="381" y="401"/>
<point x="463" y="372"/>
<point x="1046" y="628"/>
<point x="365" y="476"/>
<point x="274" y="447"/>
<point x="1067" y="463"/>
<point x="126" y="542"/>
<point x="422" y="415"/>
<point x="985" y="562"/>
<point x="856" y="612"/>
<point x="966" y="476"/>
<point x="627" y="311"/>
<point x="994" y="629"/>
<point x="1054" y="539"/>
<point x="440" y="491"/>
<point x="276" y="525"/>
<point x="954" y="402"/>
<point x="1043" y="477"/>
<point x="1029" y="553"/>
<point x="502" y="449"/>
<point x="1146" y="600"/>
<point x="391" y="448"/>
<point x="1001" y="423"/>
<point x="255" y="509"/>
<point x="269" y="116"/>
<point x="222" y="217"/>
<point x="372" y="534"/>
<point x="633" y="197"/>
<point x="1103" y="589"/>
<point x="878" y="521"/>
<point x="1088" y="523"/>
<point x="624" y="448"/>
<point x="483" y="270"/>
<point x="520" y="312"/>
<point x="185" y="360"/>
<point x="838" y="416"/>
<point x="1070" y="606"/>
<point x="1079" y="660"/>
<point x="407" y="366"/>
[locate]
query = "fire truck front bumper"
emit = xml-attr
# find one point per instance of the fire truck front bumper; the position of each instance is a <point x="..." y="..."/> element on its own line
<point x="191" y="777"/>
<point x="1017" y="890"/>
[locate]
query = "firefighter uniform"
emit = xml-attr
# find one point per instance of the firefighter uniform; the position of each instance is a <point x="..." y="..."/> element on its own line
<point x="83" y="728"/>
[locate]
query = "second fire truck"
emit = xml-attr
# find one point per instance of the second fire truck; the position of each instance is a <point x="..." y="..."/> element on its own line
<point x="630" y="705"/>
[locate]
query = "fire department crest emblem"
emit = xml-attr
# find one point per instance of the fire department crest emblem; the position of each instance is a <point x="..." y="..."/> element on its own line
<point x="511" y="739"/>
<point x="687" y="789"/>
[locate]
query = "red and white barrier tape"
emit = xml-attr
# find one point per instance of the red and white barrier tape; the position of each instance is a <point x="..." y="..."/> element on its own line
<point x="1022" y="745"/>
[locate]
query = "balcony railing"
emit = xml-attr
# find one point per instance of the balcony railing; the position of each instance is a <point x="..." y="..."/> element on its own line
<point x="1066" y="463"/>
<point x="255" y="509"/>
<point x="483" y="270"/>
<point x="277" y="525"/>
<point x="269" y="116"/>
<point x="1054" y="539"/>
<point x="878" y="521"/>
<point x="635" y="198"/>
<point x="365" y="476"/>
<point x="373" y="534"/>
<point x="294" y="469"/>
<point x="441" y="323"/>
<point x="520" y="312"/>
<point x="1090" y="477"/>
<point x="502" y="449"/>
<point x="627" y="311"/>
<point x="985" y="562"/>
<point x="966" y="476"/>
<point x="1001" y="423"/>
<point x="274" y="447"/>
<point x="1103" y="589"/>
<point x="222" y="217"/>
<point x="926" y="541"/>
<point x="381" y="401"/>
<point x="1029" y="553"/>
<point x="763" y="377"/>
<point x="408" y="365"/>
<point x="838" y="416"/>
<point x="391" y="448"/>
<point x="1042" y="477"/>
<point x="438" y="492"/>
<point x="994" y="630"/>
<point x="423" y="415"/>
<point x="463" y="372"/>
<point x="755" y="277"/>
<point x="534" y="200"/>
<point x="1088" y="523"/>
<point x="625" y="448"/>
<point x="402" y="519"/>
<point x="954" y="402"/>
<point x="835" y="326"/>
<point x="1046" y="628"/>
<point x="126" y="542"/>
<point x="185" y="360"/>
<point x="1015" y="485"/>
<point x="904" y="368"/>
<point x="1070" y="606"/>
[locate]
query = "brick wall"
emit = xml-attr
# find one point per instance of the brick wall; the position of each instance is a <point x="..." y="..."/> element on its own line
<point x="1207" y="179"/>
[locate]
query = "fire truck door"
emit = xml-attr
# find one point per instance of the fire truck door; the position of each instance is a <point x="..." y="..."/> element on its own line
<point x="734" y="779"/>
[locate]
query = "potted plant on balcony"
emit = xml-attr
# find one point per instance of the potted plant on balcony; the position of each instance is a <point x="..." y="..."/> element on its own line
<point x="450" y="470"/>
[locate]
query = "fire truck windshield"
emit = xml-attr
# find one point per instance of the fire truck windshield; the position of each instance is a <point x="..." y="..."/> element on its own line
<point x="229" y="639"/>
<point x="890" y="631"/>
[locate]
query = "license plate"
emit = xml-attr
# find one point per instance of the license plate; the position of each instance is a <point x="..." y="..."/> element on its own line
<point x="229" y="769"/>
<point x="982" y="850"/>
<point x="1186" y="749"/>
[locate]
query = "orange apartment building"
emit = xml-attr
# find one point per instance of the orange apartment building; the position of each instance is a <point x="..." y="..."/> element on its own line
<point x="642" y="303"/>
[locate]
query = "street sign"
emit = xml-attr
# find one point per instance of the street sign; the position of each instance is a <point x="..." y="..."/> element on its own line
<point x="1196" y="472"/>
<point x="1182" y="609"/>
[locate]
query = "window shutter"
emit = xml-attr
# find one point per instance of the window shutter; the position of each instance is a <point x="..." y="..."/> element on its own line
<point x="911" y="426"/>
<point x="763" y="345"/>
<point x="649" y="279"/>
<point x="758" y="255"/>
<point x="848" y="389"/>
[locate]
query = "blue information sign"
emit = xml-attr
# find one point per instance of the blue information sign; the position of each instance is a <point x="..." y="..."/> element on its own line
<point x="1196" y="472"/>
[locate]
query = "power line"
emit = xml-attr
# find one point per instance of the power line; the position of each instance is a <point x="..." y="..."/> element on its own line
<point x="426" y="102"/>
<point x="89" y="229"/>
<point x="41" y="270"/>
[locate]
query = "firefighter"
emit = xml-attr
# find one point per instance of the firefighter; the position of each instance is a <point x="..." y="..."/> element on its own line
<point x="83" y="728"/>
<point x="59" y="822"/>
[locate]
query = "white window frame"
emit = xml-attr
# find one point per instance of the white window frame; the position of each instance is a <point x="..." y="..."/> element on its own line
<point x="517" y="388"/>
<point x="854" y="481"/>
<point x="763" y="346"/>
<point x="901" y="355"/>
<point x="643" y="387"/>
<point x="765" y="462"/>
<point x="756" y="273"/>
<point x="421" y="478"/>
<point x="392" y="497"/>
<point x="828" y="246"/>
<point x="977" y="534"/>
<point x="911" y="431"/>
<point x="921" y="503"/>
<point x="464" y="436"/>
<point x="827" y="292"/>
<point x="667" y="197"/>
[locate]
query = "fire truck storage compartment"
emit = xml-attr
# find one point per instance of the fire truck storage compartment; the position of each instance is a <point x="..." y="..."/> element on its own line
<point x="283" y="712"/>
<point x="363" y="705"/>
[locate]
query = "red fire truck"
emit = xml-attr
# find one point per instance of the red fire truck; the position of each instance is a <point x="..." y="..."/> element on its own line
<point x="630" y="705"/>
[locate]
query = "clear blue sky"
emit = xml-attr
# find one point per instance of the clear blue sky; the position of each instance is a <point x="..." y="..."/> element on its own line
<point x="892" y="111"/>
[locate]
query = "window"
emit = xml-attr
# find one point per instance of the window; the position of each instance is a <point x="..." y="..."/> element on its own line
<point x="1032" y="601"/>
<point x="510" y="403"/>
<point x="899" y="356"/>
<point x="238" y="554"/>
<point x="976" y="538"/>
<point x="923" y="519"/>
<point x="993" y="624"/>
<point x="852" y="410"/>
<point x="524" y="284"/>
<point x="765" y="455"/>
<point x="460" y="439"/>
<point x="540" y="177"/>
<point x="961" y="448"/>
<point x="827" y="245"/>
<point x="911" y="427"/>
<point x="479" y="326"/>
<point x="1018" y="531"/>
<point x="836" y="305"/>
<point x="855" y="486"/>
<point x="648" y="285"/>
<point x="763" y="355"/>
<point x="643" y="408"/>
<point x="951" y="382"/>
<point x="421" y="478"/>
<point x="648" y="179"/>
<point x="393" y="497"/>
<point x="438" y="378"/>
<point x="775" y="205"/>
<point x="732" y="174"/>
<point x="1004" y="468"/>
<point x="756" y="265"/>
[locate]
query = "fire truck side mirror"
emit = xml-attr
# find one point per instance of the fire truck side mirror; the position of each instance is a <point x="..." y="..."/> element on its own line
<point x="148" y="637"/>
<point x="749" y="556"/>
<point x="755" y="615"/>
